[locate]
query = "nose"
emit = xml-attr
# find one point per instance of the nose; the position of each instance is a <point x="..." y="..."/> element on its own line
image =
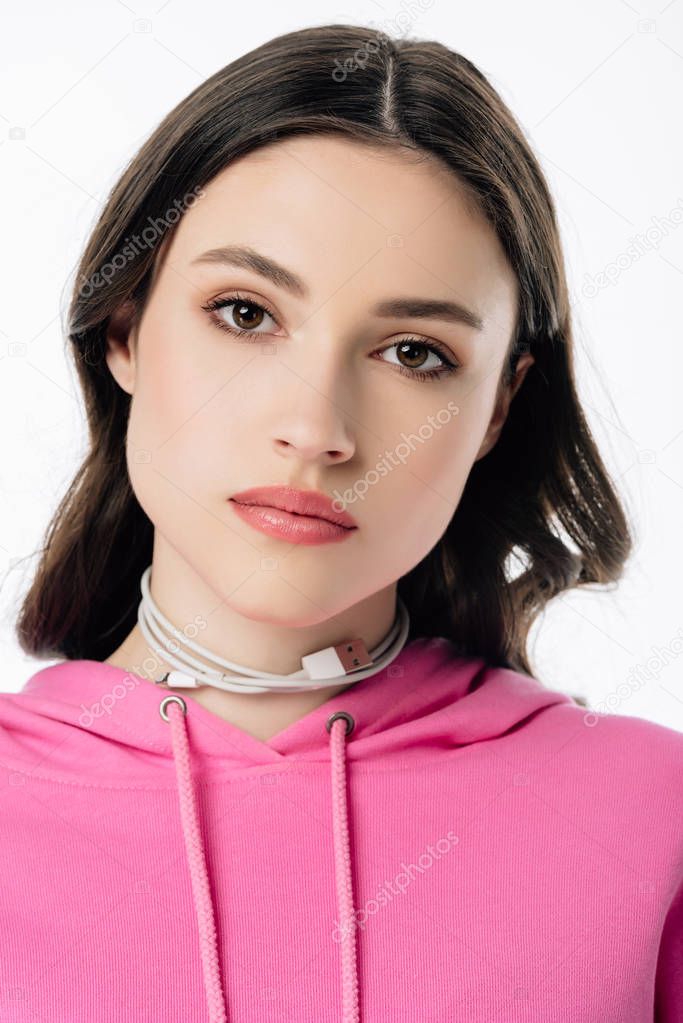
<point x="313" y="427"/>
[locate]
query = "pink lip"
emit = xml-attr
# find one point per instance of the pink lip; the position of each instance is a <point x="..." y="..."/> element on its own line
<point x="286" y="526"/>
<point x="301" y="516"/>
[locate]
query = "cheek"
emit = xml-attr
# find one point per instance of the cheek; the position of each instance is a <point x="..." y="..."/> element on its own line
<point x="434" y="476"/>
<point x="433" y="461"/>
<point x="410" y="507"/>
<point x="177" y="437"/>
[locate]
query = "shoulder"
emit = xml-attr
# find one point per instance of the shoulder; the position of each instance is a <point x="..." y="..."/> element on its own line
<point x="629" y="739"/>
<point x="633" y="768"/>
<point x="633" y="735"/>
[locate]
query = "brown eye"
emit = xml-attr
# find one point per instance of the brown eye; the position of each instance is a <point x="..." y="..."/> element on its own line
<point x="246" y="314"/>
<point x="412" y="354"/>
<point x="241" y="316"/>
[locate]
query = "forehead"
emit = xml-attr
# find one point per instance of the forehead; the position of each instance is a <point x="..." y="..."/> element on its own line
<point x="330" y="183"/>
<point x="344" y="213"/>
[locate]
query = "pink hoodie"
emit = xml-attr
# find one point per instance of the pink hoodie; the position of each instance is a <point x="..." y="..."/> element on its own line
<point x="478" y="848"/>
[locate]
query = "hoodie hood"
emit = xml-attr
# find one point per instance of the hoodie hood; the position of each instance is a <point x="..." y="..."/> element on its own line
<point x="428" y="698"/>
<point x="426" y="701"/>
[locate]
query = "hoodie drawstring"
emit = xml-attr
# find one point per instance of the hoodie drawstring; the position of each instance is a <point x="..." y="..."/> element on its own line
<point x="195" y="857"/>
<point x="342" y="864"/>
<point x="175" y="715"/>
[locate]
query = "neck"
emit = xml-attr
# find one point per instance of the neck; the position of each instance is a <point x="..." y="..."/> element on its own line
<point x="273" y="643"/>
<point x="261" y="715"/>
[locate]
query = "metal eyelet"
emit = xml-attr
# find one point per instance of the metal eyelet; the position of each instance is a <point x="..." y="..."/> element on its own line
<point x="350" y="723"/>
<point x="171" y="699"/>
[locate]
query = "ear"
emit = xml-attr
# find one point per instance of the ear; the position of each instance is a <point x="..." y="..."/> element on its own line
<point x="503" y="401"/>
<point x="121" y="346"/>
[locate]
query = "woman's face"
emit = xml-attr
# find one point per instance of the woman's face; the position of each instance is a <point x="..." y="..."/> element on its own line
<point x="319" y="393"/>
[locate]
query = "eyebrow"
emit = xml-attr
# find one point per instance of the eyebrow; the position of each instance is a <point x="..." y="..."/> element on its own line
<point x="422" y="308"/>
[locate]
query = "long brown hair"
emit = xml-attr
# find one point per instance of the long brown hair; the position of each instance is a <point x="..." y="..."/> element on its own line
<point x="538" y="514"/>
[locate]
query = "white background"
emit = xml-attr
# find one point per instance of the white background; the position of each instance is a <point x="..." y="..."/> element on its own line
<point x="597" y="87"/>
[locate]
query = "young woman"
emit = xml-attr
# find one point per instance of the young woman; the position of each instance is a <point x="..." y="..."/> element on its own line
<point x="292" y="762"/>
